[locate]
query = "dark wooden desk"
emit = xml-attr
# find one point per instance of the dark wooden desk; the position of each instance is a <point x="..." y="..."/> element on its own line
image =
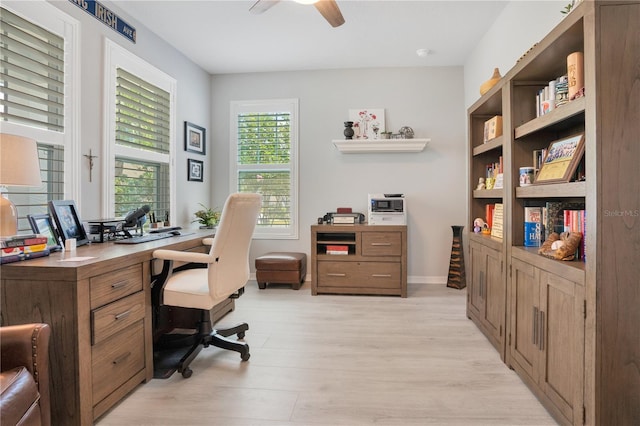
<point x="100" y="315"/>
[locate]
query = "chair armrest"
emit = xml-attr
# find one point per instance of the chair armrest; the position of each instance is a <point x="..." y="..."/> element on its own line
<point x="182" y="256"/>
<point x="28" y="345"/>
<point x="207" y="241"/>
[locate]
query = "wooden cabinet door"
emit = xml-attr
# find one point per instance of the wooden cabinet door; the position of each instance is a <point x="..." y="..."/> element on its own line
<point x="525" y="295"/>
<point x="494" y="293"/>
<point x="474" y="287"/>
<point x="562" y="344"/>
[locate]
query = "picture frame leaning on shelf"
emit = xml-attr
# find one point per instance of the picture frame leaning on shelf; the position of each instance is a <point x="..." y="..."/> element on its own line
<point x="562" y="159"/>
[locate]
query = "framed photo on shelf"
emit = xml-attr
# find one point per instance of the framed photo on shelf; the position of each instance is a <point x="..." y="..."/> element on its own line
<point x="195" y="138"/>
<point x="195" y="170"/>
<point x="42" y="224"/>
<point x="562" y="159"/>
<point x="67" y="220"/>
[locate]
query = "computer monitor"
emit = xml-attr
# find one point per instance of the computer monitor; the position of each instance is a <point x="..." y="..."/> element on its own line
<point x="65" y="215"/>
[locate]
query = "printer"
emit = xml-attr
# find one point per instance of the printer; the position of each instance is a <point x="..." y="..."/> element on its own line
<point x="387" y="209"/>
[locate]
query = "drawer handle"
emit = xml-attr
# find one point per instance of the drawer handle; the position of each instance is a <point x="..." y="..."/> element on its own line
<point x="121" y="358"/>
<point x="119" y="284"/>
<point x="123" y="315"/>
<point x="336" y="275"/>
<point x="380" y="244"/>
<point x="381" y="275"/>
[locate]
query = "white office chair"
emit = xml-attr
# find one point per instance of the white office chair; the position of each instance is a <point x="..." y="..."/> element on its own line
<point x="209" y="278"/>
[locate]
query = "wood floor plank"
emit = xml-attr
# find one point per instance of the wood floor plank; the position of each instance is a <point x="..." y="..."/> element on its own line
<point x="343" y="360"/>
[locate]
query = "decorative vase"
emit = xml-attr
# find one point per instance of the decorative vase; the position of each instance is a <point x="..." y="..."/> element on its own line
<point x="348" y="130"/>
<point x="487" y="85"/>
<point x="457" y="277"/>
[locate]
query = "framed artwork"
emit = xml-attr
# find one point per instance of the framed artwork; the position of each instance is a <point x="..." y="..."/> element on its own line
<point x="42" y="224"/>
<point x="368" y="123"/>
<point x="561" y="160"/>
<point x="195" y="138"/>
<point x="195" y="170"/>
<point x="67" y="220"/>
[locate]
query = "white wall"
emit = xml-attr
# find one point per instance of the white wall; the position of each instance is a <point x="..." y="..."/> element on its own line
<point x="520" y="25"/>
<point x="430" y="100"/>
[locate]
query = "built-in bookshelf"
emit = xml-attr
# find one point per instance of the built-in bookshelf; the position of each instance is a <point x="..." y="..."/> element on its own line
<point x="551" y="319"/>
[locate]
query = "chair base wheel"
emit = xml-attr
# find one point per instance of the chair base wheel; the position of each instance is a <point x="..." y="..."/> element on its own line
<point x="187" y="372"/>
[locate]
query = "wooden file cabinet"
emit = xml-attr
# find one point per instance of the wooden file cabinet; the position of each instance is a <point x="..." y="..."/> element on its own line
<point x="99" y="311"/>
<point x="375" y="263"/>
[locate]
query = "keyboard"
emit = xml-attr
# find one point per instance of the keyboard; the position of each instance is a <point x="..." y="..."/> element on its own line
<point x="144" y="238"/>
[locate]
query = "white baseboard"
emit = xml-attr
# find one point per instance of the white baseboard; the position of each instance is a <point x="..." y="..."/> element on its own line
<point x="410" y="279"/>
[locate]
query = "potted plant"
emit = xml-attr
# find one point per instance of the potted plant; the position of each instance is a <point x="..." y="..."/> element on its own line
<point x="207" y="217"/>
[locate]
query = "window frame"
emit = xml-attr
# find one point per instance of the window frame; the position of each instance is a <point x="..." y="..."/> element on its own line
<point x="118" y="57"/>
<point x="49" y="17"/>
<point x="269" y="106"/>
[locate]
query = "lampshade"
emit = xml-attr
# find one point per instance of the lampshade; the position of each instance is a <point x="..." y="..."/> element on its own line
<point x="19" y="166"/>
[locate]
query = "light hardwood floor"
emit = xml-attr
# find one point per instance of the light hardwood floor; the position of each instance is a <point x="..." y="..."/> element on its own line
<point x="343" y="360"/>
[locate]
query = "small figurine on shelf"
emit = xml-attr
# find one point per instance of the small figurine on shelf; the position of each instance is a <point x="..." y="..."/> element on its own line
<point x="486" y="230"/>
<point x="480" y="183"/>
<point x="477" y="225"/>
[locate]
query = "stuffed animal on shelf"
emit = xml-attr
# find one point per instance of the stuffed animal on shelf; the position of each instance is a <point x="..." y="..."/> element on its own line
<point x="561" y="247"/>
<point x="477" y="225"/>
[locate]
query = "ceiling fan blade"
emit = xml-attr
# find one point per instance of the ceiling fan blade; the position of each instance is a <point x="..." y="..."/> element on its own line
<point x="331" y="12"/>
<point x="262" y="6"/>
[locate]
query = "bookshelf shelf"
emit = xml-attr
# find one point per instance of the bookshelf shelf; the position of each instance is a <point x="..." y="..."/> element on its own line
<point x="559" y="117"/>
<point x="488" y="146"/>
<point x="488" y="193"/>
<point x="379" y="146"/>
<point x="564" y="190"/>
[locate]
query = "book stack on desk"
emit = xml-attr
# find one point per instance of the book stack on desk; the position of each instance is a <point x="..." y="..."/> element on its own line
<point x="22" y="247"/>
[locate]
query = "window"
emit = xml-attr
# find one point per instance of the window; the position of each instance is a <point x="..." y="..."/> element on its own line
<point x="264" y="159"/>
<point x="141" y="134"/>
<point x="37" y="65"/>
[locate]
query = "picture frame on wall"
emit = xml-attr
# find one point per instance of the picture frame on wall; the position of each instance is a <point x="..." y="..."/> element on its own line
<point x="195" y="138"/>
<point x="195" y="170"/>
<point x="561" y="160"/>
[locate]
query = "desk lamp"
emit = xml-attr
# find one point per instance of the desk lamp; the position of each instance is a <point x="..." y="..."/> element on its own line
<point x="19" y="166"/>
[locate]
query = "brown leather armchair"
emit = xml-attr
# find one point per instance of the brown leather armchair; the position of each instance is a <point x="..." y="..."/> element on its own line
<point x="24" y="379"/>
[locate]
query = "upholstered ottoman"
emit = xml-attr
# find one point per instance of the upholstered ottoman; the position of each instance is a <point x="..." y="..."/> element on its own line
<point x="281" y="268"/>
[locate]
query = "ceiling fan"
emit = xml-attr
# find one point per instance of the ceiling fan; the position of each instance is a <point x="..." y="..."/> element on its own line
<point x="328" y="9"/>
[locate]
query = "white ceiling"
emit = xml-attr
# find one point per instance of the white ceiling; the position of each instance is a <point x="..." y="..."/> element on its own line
<point x="224" y="37"/>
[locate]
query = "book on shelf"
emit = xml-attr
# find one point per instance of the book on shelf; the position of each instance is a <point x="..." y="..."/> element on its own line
<point x="22" y="240"/>
<point x="532" y="226"/>
<point x="489" y="208"/>
<point x="497" y="221"/>
<point x="336" y="249"/>
<point x="24" y="256"/>
<point x="553" y="216"/>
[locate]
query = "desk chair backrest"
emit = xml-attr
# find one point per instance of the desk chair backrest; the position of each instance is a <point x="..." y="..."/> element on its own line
<point x="229" y="267"/>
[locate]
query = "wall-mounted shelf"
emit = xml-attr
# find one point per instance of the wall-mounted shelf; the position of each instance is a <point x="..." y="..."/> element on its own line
<point x="384" y="145"/>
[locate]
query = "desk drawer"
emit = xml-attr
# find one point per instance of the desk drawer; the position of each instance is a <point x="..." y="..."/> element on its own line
<point x="115" y="285"/>
<point x="116" y="316"/>
<point x="116" y="360"/>
<point x="381" y="244"/>
<point x="360" y="274"/>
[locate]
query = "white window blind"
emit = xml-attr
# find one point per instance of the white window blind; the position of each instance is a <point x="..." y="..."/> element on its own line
<point x="266" y="162"/>
<point x="31" y="74"/>
<point x="138" y="183"/>
<point x="142" y="114"/>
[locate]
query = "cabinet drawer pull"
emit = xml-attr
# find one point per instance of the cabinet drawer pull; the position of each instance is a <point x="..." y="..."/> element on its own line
<point x="123" y="315"/>
<point x="119" y="284"/>
<point x="336" y="275"/>
<point x="534" y="321"/>
<point x="381" y="275"/>
<point x="541" y="331"/>
<point x="121" y="358"/>
<point x="380" y="244"/>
